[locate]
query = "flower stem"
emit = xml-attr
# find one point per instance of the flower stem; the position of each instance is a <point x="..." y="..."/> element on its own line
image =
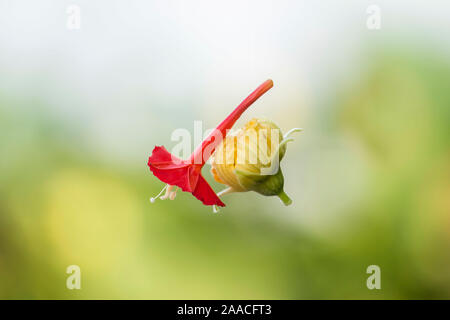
<point x="216" y="137"/>
<point x="284" y="198"/>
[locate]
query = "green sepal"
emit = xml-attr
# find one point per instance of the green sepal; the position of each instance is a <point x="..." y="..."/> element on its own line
<point x="267" y="185"/>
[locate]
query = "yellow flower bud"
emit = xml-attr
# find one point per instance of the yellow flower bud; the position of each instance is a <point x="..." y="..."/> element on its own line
<point x="248" y="159"/>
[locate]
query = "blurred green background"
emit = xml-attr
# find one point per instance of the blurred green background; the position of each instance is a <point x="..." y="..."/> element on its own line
<point x="80" y="112"/>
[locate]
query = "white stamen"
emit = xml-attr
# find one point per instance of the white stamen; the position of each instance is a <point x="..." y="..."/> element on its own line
<point x="225" y="191"/>
<point x="221" y="193"/>
<point x="284" y="142"/>
<point x="291" y="132"/>
<point x="166" y="195"/>
<point x="153" y="199"/>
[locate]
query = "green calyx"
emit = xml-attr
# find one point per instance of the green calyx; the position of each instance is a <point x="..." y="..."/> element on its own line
<point x="267" y="185"/>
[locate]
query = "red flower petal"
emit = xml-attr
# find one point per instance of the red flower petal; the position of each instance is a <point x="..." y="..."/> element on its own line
<point x="206" y="194"/>
<point x="174" y="171"/>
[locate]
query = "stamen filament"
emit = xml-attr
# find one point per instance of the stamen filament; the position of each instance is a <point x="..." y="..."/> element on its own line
<point x="225" y="191"/>
<point x="291" y="132"/>
<point x="221" y="193"/>
<point x="153" y="199"/>
<point x="167" y="194"/>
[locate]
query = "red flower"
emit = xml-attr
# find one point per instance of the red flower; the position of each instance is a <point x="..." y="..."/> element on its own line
<point x="186" y="174"/>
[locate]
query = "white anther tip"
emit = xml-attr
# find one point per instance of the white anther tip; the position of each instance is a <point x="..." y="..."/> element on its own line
<point x="152" y="200"/>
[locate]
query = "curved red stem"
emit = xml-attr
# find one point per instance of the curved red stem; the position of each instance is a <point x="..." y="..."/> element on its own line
<point x="215" y="138"/>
